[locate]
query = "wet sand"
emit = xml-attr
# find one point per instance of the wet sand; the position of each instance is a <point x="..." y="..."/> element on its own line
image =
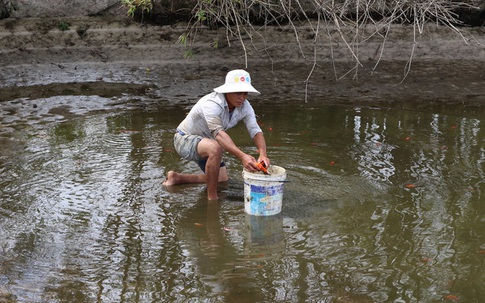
<point x="446" y="67"/>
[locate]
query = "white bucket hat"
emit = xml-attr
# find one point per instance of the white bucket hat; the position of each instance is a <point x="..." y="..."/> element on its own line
<point x="237" y="80"/>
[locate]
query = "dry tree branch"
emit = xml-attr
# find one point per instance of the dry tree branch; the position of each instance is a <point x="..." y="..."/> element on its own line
<point x="342" y="36"/>
<point x="314" y="59"/>
<point x="383" y="44"/>
<point x="288" y="15"/>
<point x="407" y="68"/>
<point x="327" y="23"/>
<point x="239" y="35"/>
<point x="351" y="23"/>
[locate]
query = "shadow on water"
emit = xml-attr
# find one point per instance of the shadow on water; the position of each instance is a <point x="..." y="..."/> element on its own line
<point x="383" y="204"/>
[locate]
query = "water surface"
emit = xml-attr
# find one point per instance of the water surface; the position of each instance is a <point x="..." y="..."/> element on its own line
<point x="384" y="204"/>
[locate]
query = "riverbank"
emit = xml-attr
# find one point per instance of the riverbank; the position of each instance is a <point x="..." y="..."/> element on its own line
<point x="445" y="66"/>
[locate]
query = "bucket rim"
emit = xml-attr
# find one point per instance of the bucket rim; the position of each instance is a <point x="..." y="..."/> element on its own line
<point x="281" y="176"/>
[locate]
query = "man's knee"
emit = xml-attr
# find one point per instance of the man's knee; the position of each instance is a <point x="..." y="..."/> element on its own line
<point x="210" y="150"/>
<point x="214" y="149"/>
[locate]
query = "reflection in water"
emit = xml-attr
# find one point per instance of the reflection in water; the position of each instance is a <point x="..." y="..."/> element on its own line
<point x="213" y="259"/>
<point x="265" y="235"/>
<point x="371" y="151"/>
<point x="383" y="205"/>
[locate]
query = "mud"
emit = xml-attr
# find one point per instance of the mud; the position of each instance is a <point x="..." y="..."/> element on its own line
<point x="38" y="54"/>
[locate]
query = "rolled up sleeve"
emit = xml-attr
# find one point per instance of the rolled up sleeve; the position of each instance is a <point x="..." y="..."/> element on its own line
<point x="212" y="115"/>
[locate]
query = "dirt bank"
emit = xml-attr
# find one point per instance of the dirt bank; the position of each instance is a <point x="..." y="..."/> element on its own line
<point x="446" y="67"/>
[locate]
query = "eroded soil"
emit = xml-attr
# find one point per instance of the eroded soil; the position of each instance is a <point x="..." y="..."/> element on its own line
<point x="37" y="54"/>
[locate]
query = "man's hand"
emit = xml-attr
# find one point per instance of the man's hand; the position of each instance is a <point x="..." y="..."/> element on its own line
<point x="261" y="145"/>
<point x="249" y="163"/>
<point x="265" y="159"/>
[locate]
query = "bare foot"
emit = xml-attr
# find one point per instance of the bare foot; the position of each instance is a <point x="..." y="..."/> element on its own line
<point x="171" y="178"/>
<point x="213" y="198"/>
<point x="219" y="196"/>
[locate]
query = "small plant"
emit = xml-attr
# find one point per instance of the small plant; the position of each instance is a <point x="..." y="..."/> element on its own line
<point x="189" y="54"/>
<point x="133" y="5"/>
<point x="215" y="43"/>
<point x="201" y="16"/>
<point x="63" y="26"/>
<point x="182" y="39"/>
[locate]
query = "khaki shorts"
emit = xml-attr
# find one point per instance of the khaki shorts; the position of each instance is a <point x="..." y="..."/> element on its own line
<point x="186" y="147"/>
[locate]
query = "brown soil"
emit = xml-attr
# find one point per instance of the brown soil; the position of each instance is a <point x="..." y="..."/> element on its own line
<point x="446" y="67"/>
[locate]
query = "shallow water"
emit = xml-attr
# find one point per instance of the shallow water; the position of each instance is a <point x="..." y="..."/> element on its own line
<point x="382" y="205"/>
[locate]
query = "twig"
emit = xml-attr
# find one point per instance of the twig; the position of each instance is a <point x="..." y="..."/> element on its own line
<point x="314" y="59"/>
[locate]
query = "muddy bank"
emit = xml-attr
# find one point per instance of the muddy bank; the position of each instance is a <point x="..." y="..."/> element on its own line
<point x="42" y="8"/>
<point x="446" y="67"/>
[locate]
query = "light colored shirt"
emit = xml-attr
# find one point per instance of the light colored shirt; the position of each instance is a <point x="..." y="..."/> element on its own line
<point x="211" y="114"/>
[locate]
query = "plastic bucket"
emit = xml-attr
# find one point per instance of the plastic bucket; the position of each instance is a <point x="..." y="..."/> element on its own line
<point x="263" y="194"/>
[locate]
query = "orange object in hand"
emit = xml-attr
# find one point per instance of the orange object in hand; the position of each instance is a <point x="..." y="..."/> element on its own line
<point x="262" y="166"/>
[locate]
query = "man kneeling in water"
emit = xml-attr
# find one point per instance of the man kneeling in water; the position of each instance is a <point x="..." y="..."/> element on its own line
<point x="202" y="135"/>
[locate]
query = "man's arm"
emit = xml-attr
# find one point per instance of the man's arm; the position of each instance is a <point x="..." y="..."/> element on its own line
<point x="248" y="161"/>
<point x="260" y="143"/>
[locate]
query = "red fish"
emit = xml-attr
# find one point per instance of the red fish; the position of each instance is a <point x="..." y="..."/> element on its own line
<point x="452" y="297"/>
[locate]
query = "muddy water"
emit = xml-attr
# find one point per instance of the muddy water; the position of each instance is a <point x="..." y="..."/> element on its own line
<point x="383" y="205"/>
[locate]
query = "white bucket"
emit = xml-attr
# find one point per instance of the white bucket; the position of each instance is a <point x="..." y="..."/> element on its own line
<point x="263" y="194"/>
